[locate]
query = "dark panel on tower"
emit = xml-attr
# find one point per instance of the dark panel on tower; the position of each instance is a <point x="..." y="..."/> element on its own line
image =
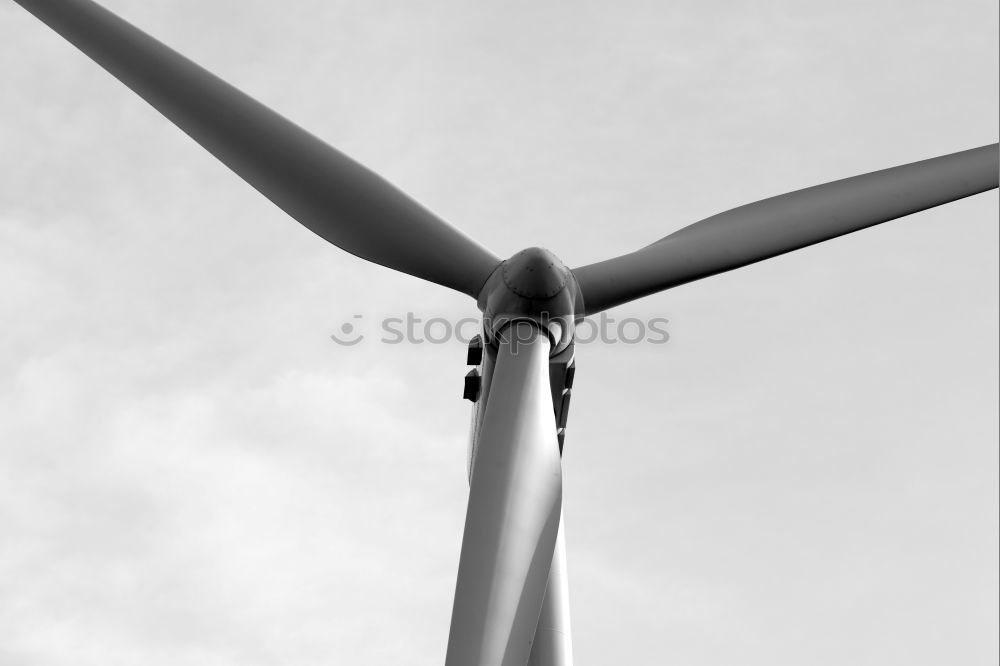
<point x="475" y="354"/>
<point x="473" y="385"/>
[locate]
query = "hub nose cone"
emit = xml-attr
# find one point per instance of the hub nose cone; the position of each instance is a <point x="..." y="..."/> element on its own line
<point x="535" y="273"/>
<point x="532" y="285"/>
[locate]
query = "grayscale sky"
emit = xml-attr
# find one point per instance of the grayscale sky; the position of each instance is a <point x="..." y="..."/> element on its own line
<point x="192" y="472"/>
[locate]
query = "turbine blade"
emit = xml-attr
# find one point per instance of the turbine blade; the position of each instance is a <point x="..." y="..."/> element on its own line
<point x="513" y="514"/>
<point x="326" y="191"/>
<point x="774" y="226"/>
<point x="553" y="645"/>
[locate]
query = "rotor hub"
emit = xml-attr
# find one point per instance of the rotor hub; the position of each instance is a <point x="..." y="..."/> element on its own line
<point x="534" y="273"/>
<point x="532" y="285"/>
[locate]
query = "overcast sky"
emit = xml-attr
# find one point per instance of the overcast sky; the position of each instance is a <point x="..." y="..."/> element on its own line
<point x="192" y="472"/>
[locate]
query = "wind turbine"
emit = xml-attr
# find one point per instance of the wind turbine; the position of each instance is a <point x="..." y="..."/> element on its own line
<point x="532" y="297"/>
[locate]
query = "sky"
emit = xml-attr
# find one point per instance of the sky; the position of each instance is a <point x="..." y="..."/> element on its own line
<point x="192" y="472"/>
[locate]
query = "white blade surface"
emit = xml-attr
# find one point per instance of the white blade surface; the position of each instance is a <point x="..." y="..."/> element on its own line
<point x="553" y="645"/>
<point x="513" y="516"/>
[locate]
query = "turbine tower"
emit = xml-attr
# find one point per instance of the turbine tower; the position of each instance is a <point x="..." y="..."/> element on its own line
<point x="510" y="603"/>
